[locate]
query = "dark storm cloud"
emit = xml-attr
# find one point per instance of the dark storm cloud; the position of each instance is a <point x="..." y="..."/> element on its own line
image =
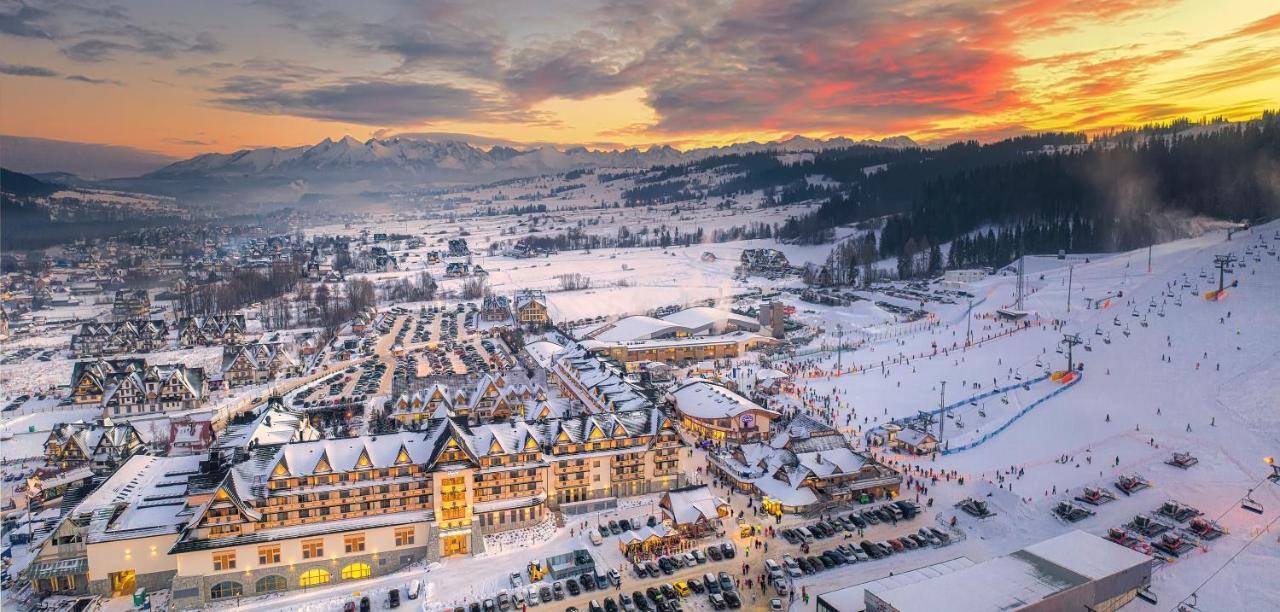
<point x="30" y="71"/>
<point x="92" y="81"/>
<point x="103" y="43"/>
<point x="369" y="102"/>
<point x="21" y="19"/>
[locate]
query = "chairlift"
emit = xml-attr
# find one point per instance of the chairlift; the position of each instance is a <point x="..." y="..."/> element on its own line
<point x="960" y="425"/>
<point x="1039" y="364"/>
<point x="982" y="413"/>
<point x="1251" y="504"/>
<point x="1126" y="331"/>
<point x="1059" y="349"/>
<point x="1017" y="375"/>
<point x="1116" y="320"/>
<point x="1107" y="340"/>
<point x="1144" y="321"/>
<point x="1097" y="330"/>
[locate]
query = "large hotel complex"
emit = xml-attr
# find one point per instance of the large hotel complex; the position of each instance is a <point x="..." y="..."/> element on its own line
<point x="261" y="518"/>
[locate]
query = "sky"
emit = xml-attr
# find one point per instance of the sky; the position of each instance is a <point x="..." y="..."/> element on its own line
<point x="173" y="79"/>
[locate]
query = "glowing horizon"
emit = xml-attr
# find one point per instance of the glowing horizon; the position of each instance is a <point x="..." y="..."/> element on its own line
<point x="181" y="80"/>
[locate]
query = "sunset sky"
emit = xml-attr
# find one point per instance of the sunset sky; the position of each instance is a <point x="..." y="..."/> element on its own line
<point x="182" y="78"/>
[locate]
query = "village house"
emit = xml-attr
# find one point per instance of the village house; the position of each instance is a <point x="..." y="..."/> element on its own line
<point x="129" y="336"/>
<point x="129" y="304"/>
<point x="126" y="387"/>
<point x="491" y="399"/>
<point x="804" y="464"/>
<point x="102" y="445"/>
<point x="531" y="307"/>
<point x="496" y="308"/>
<point x="248" y="364"/>
<point x="211" y="330"/>
<point x="592" y="383"/>
<point x="188" y="436"/>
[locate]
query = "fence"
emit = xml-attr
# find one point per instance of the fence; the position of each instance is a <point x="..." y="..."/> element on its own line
<point x="1032" y="405"/>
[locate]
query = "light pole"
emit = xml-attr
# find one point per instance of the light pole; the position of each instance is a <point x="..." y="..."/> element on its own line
<point x="839" y="345"/>
<point x="968" y="326"/>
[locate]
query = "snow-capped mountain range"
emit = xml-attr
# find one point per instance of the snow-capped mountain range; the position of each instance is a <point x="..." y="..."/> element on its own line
<point x="407" y="159"/>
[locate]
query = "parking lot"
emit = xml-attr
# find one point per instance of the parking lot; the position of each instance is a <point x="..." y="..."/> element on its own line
<point x="434" y="341"/>
<point x="697" y="579"/>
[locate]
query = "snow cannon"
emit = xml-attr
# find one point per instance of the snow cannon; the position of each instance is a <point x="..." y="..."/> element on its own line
<point x="1058" y="375"/>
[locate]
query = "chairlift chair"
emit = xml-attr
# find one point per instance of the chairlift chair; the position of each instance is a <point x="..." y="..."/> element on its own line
<point x="1251" y="504"/>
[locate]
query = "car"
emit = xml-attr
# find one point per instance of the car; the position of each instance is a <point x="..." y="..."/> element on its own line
<point x="545" y="594"/>
<point x="602" y="583"/>
<point x="690" y="560"/>
<point x="908" y="542"/>
<point x="639" y="570"/>
<point x="531" y="598"/>
<point x="474" y="607"/>
<point x="772" y="568"/>
<point x="857" y="521"/>
<point x="870" y="517"/>
<point x="698" y="556"/>
<point x="897" y="546"/>
<point x="393" y="598"/>
<point x="781" y="588"/>
<point x="594" y="606"/>
<point x="571" y="609"/>
<point x="489" y="605"/>
<point x="888" y="550"/>
<point x="729" y="550"/>
<point x="573" y="586"/>
<point x="504" y="601"/>
<point x="805" y="535"/>
<point x="627" y="602"/>
<point x="681" y="588"/>
<point x="826" y="561"/>
<point x="596" y="539"/>
<point x="557" y="589"/>
<point x="614" y="528"/>
<point x="717" y="601"/>
<point x="588" y="582"/>
<point x="516" y="579"/>
<point x="709" y="581"/>
<point x="642" y="602"/>
<point x="517" y="599"/>
<point x="349" y="606"/>
<point x="414" y="588"/>
<point x="615" y="577"/>
<point x="668" y="591"/>
<point x="697" y="587"/>
<point x="775" y="605"/>
<point x="653" y="568"/>
<point x="732" y="599"/>
<point x="610" y="605"/>
<point x="726" y="582"/>
<point x="654" y="595"/>
<point x="870" y="549"/>
<point x="714" y="553"/>
<point x="604" y="531"/>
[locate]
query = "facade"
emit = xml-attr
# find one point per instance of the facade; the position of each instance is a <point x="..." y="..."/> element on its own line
<point x="211" y="330"/>
<point x="188" y="436"/>
<point x="250" y="364"/>
<point x="130" y="336"/>
<point x="496" y="308"/>
<point x="807" y="462"/>
<point x="304" y="514"/>
<point x="531" y="307"/>
<point x="125" y="387"/>
<point x="131" y="304"/>
<point x="714" y="412"/>
<point x="101" y="445"/>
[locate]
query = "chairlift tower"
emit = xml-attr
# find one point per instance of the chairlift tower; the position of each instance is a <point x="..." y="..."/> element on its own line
<point x="1223" y="263"/>
<point x="1071" y="340"/>
<point x="942" y="411"/>
<point x="1021" y="277"/>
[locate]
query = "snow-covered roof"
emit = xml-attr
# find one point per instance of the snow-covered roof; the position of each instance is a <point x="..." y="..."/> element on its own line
<point x="629" y="329"/>
<point x="704" y="319"/>
<point x="690" y="504"/>
<point x="145" y="497"/>
<point x="1018" y="579"/>
<point x="701" y="399"/>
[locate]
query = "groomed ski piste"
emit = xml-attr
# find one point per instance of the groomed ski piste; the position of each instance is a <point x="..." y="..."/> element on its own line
<point x="1202" y="378"/>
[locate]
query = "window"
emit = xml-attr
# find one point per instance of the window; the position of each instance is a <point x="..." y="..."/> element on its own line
<point x="268" y="554"/>
<point x="313" y="549"/>
<point x="356" y="571"/>
<point x="226" y="588"/>
<point x="224" y="561"/>
<point x="271" y="584"/>
<point x="313" y="577"/>
<point x="450" y="514"/>
<point x="353" y="543"/>
<point x="404" y="536"/>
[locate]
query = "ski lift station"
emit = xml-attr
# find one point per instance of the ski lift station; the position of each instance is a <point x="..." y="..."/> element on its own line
<point x="1074" y="571"/>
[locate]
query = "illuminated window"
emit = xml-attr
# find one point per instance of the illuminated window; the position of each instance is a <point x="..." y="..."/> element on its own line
<point x="353" y="543"/>
<point x="268" y="554"/>
<point x="313" y="549"/>
<point x="355" y="571"/>
<point x="313" y="577"/>
<point x="224" y="561"/>
<point x="404" y="536"/>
